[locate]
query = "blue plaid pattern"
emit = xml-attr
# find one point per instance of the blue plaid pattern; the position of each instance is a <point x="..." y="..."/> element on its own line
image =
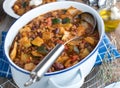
<point x="105" y="47"/>
<point x="4" y="63"/>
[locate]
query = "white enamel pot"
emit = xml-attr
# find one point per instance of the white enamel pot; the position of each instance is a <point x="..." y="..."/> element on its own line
<point x="72" y="77"/>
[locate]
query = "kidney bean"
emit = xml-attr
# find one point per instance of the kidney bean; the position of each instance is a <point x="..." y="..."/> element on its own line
<point x="40" y="34"/>
<point x="58" y="66"/>
<point x="56" y="31"/>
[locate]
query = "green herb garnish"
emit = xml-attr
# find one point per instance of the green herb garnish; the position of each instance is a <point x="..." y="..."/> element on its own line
<point x="56" y="21"/>
<point x="42" y="50"/>
<point x="66" y="20"/>
<point x="24" y="4"/>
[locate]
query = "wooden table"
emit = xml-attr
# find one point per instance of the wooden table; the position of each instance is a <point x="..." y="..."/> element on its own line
<point x="93" y="80"/>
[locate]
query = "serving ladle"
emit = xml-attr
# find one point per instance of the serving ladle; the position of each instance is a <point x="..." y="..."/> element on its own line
<point x="50" y="58"/>
<point x="89" y="19"/>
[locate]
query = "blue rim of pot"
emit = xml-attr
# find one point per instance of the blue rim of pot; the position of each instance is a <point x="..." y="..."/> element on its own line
<point x="61" y="71"/>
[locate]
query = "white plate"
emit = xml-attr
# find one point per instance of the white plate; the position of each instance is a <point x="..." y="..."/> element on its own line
<point x="7" y="6"/>
<point x="114" y="85"/>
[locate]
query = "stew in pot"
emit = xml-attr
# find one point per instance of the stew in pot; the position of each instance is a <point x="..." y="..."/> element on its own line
<point x="36" y="39"/>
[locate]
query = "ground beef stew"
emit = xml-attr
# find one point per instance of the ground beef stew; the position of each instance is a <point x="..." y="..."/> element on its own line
<point x="36" y="39"/>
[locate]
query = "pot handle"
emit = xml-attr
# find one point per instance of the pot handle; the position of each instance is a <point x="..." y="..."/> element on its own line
<point x="77" y="85"/>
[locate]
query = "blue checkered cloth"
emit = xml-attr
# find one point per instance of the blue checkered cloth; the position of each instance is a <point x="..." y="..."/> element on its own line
<point x="105" y="48"/>
<point x="4" y="63"/>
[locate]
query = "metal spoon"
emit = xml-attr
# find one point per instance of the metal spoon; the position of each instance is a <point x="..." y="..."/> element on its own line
<point x="89" y="19"/>
<point x="47" y="62"/>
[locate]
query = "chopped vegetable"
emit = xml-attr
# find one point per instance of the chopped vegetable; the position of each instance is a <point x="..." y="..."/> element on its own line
<point x="66" y="20"/>
<point x="29" y="66"/>
<point x="62" y="30"/>
<point x="66" y="35"/>
<point x="25" y="42"/>
<point x="24" y="4"/>
<point x="25" y="29"/>
<point x="90" y="40"/>
<point x="14" y="51"/>
<point x="62" y="59"/>
<point x="20" y="11"/>
<point x="56" y="21"/>
<point x="42" y="49"/>
<point x="37" y="41"/>
<point x="49" y="21"/>
<point x="76" y="49"/>
<point x="25" y="58"/>
<point x="74" y="58"/>
<point x="81" y="30"/>
<point x="47" y="35"/>
<point x="36" y="53"/>
<point x="68" y="63"/>
<point x="16" y="7"/>
<point x="67" y="26"/>
<point x="84" y="53"/>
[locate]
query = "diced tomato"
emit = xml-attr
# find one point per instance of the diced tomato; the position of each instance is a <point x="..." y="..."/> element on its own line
<point x="60" y="41"/>
<point x="74" y="58"/>
<point x="29" y="60"/>
<point x="66" y="47"/>
<point x="49" y="21"/>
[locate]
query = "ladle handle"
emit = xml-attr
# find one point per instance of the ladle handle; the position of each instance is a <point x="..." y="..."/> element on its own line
<point x="45" y="64"/>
